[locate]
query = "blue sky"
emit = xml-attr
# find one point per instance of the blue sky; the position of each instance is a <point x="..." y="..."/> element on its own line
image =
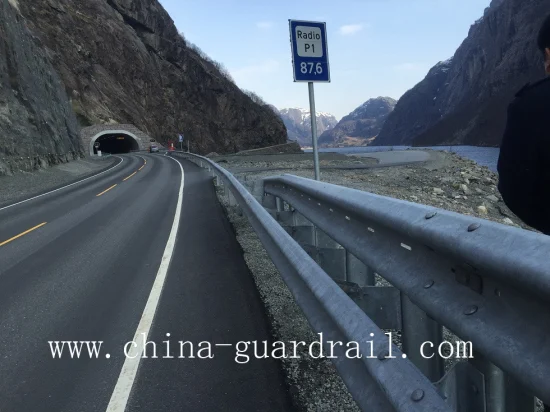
<point x="376" y="47"/>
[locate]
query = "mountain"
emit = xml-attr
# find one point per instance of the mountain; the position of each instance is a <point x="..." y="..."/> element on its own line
<point x="360" y="126"/>
<point x="298" y="124"/>
<point x="464" y="100"/>
<point x="37" y="125"/>
<point x="123" y="61"/>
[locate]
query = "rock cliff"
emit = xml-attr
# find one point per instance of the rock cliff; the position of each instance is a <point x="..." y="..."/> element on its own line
<point x="298" y="124"/>
<point x="360" y="126"/>
<point x="37" y="125"/>
<point x="123" y="61"/>
<point x="464" y="100"/>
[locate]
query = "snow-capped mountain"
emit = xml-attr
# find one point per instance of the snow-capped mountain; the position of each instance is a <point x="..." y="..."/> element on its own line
<point x="360" y="126"/>
<point x="298" y="124"/>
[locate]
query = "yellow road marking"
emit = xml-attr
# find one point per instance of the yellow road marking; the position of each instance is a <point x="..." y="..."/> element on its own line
<point x="129" y="176"/>
<point x="141" y="167"/>
<point x="22" y="234"/>
<point x="105" y="191"/>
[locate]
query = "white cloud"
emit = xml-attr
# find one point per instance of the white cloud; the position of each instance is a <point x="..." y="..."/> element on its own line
<point x="409" y="67"/>
<point x="266" y="67"/>
<point x="264" y="25"/>
<point x="350" y="29"/>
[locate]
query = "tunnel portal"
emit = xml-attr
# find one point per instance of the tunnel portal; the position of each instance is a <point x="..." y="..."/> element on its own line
<point x="114" y="143"/>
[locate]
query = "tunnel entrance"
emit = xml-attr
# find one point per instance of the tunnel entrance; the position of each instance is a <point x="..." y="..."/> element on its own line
<point x="115" y="143"/>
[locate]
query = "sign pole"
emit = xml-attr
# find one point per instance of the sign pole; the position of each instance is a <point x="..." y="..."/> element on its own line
<point x="187" y="145"/>
<point x="313" y="116"/>
<point x="308" y="41"/>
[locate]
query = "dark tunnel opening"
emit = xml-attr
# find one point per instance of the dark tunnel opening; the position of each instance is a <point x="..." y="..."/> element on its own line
<point x="115" y="143"/>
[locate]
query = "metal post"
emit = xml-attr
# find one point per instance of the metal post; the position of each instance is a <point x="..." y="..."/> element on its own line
<point x="417" y="329"/>
<point x="313" y="116"/>
<point x="358" y="272"/>
<point x="187" y="145"/>
<point x="502" y="392"/>
<point x="279" y="203"/>
<point x="269" y="202"/>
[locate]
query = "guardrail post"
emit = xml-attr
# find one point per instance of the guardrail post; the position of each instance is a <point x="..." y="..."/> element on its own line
<point x="269" y="202"/>
<point x="417" y="329"/>
<point x="332" y="257"/>
<point x="279" y="204"/>
<point x="502" y="392"/>
<point x="358" y="272"/>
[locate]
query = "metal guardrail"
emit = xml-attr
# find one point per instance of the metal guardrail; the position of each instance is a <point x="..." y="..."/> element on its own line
<point x="488" y="283"/>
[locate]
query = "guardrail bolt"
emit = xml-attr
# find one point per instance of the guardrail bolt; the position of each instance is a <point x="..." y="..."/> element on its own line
<point x="473" y="226"/>
<point x="470" y="310"/>
<point x="429" y="284"/>
<point x="417" y="395"/>
<point x="430" y="215"/>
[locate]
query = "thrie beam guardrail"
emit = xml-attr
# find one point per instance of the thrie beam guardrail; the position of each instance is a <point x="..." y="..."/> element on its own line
<point x="488" y="283"/>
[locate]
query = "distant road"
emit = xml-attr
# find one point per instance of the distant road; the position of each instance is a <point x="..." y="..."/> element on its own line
<point x="396" y="157"/>
<point x="146" y="248"/>
<point x="384" y="159"/>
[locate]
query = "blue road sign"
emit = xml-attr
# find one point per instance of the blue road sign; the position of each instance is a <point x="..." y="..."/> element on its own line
<point x="181" y="138"/>
<point x="309" y="51"/>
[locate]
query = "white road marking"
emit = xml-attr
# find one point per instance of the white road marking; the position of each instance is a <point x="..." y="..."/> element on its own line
<point x="64" y="187"/>
<point x="127" y="377"/>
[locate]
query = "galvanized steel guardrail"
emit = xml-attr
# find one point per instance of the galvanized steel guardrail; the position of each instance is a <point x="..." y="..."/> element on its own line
<point x="488" y="283"/>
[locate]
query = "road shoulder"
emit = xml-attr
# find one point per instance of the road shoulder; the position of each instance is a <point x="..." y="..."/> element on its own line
<point x="209" y="296"/>
<point x="24" y="185"/>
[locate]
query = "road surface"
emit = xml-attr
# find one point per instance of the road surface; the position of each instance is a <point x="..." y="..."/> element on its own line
<point x="143" y="248"/>
<point x="396" y="157"/>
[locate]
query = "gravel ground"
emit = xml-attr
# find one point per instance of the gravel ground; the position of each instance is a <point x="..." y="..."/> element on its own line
<point x="445" y="181"/>
<point x="26" y="184"/>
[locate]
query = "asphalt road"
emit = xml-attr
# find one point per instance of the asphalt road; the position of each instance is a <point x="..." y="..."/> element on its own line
<point x="142" y="248"/>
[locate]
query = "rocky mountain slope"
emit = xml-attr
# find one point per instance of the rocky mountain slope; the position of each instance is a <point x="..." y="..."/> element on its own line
<point x="464" y="100"/>
<point x="37" y="126"/>
<point x="298" y="124"/>
<point x="124" y="61"/>
<point x="360" y="126"/>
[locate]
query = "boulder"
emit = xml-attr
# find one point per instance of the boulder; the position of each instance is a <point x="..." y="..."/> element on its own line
<point x="482" y="210"/>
